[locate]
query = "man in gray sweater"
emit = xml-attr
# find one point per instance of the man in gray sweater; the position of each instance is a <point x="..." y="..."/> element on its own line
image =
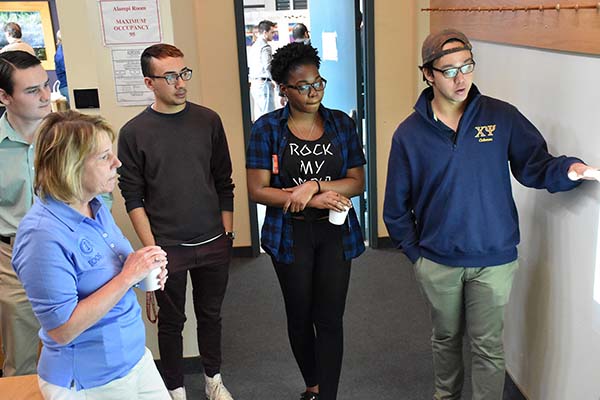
<point x="176" y="182"/>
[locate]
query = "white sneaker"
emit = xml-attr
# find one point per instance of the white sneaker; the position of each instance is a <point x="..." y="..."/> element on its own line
<point x="215" y="390"/>
<point x="178" y="394"/>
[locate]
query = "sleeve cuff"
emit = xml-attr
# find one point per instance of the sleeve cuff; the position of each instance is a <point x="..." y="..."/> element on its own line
<point x="133" y="204"/>
<point x="226" y="204"/>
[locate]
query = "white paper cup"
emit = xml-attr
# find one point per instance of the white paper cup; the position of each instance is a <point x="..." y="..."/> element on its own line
<point x="151" y="283"/>
<point x="337" y="217"/>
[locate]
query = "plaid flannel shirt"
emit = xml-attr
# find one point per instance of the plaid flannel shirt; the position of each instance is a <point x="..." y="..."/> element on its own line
<point x="269" y="137"/>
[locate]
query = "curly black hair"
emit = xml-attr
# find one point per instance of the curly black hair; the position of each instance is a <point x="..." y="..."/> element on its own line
<point x="292" y="56"/>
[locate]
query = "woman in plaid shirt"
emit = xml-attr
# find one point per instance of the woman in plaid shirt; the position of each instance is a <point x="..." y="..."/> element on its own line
<point x="302" y="161"/>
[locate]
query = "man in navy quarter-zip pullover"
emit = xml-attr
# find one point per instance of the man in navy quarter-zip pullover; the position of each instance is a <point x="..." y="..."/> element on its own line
<point x="449" y="208"/>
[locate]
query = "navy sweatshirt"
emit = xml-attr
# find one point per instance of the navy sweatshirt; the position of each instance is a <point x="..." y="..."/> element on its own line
<point x="448" y="196"/>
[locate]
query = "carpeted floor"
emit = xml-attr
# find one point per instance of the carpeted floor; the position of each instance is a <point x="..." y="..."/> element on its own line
<point x="387" y="329"/>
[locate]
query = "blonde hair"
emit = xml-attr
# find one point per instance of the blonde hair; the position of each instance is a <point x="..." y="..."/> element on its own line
<point x="64" y="140"/>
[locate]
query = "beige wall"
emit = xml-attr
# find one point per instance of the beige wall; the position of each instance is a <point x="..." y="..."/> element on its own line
<point x="400" y="28"/>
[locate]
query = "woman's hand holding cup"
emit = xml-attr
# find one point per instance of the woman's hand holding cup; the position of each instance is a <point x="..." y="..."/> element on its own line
<point x="148" y="267"/>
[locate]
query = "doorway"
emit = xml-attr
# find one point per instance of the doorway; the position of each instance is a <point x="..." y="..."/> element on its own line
<point x="343" y="34"/>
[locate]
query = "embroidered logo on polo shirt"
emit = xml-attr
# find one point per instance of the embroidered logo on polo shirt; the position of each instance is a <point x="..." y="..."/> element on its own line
<point x="87" y="249"/>
<point x="485" y="133"/>
<point x="85" y="246"/>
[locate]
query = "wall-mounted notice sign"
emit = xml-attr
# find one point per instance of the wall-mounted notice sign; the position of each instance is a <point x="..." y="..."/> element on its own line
<point x="129" y="82"/>
<point x="130" y="22"/>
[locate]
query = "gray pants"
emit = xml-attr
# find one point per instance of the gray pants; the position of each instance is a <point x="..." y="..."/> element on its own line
<point x="473" y="298"/>
<point x="263" y="95"/>
<point x="18" y="325"/>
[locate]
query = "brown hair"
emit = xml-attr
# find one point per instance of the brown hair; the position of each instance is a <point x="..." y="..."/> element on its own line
<point x="159" y="51"/>
<point x="10" y="61"/>
<point x="64" y="140"/>
<point x="13" y="29"/>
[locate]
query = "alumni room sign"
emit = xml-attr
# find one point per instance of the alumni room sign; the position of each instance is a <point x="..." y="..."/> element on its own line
<point x="126" y="22"/>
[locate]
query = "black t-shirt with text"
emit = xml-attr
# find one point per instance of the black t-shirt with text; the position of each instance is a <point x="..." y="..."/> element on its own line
<point x="305" y="160"/>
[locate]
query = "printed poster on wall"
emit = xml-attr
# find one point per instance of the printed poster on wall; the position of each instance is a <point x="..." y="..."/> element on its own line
<point x="130" y="22"/>
<point x="129" y="82"/>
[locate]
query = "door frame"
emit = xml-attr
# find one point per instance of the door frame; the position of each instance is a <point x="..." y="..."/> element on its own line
<point x="246" y="113"/>
<point x="370" y="120"/>
<point x="369" y="111"/>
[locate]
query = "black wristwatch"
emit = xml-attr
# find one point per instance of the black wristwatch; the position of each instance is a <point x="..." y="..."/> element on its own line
<point x="230" y="235"/>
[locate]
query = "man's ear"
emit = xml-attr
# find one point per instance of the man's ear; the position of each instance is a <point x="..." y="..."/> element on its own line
<point x="5" y="98"/>
<point x="428" y="74"/>
<point x="149" y="83"/>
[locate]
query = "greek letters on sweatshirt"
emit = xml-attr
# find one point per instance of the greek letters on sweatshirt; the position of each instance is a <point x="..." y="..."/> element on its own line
<point x="449" y="198"/>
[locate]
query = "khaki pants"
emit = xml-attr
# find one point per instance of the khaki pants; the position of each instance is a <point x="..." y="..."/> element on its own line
<point x="18" y="325"/>
<point x="473" y="298"/>
<point x="143" y="382"/>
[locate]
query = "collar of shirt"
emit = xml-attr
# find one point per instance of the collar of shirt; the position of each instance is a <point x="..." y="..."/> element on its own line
<point x="438" y="121"/>
<point x="7" y="131"/>
<point x="262" y="41"/>
<point x="67" y="214"/>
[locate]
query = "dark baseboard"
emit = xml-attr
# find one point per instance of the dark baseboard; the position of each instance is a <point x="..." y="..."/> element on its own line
<point x="384" y="243"/>
<point x="243" y="251"/>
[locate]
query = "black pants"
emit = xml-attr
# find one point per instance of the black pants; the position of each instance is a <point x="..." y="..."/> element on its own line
<point x="208" y="266"/>
<point x="314" y="288"/>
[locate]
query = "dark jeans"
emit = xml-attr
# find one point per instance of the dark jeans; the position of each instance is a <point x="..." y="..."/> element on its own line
<point x="208" y="266"/>
<point x="314" y="288"/>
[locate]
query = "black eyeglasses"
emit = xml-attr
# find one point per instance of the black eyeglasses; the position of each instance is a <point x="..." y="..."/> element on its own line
<point x="171" y="79"/>
<point x="318" y="86"/>
<point x="452" y="72"/>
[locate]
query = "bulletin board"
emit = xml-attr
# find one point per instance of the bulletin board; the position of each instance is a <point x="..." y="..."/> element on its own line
<point x="565" y="26"/>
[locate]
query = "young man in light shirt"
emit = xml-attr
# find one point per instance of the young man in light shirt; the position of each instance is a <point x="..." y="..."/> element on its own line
<point x="25" y="92"/>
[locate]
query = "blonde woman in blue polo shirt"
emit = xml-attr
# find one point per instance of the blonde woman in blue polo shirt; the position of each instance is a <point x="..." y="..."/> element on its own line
<point x="78" y="270"/>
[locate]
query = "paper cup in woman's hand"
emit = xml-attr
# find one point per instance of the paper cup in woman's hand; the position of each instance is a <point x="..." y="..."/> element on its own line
<point x="151" y="282"/>
<point x="338" y="217"/>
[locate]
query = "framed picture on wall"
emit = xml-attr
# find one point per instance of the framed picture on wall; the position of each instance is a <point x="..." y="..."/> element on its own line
<point x="36" y="25"/>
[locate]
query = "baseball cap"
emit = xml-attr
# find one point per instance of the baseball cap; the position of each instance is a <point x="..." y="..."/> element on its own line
<point x="432" y="46"/>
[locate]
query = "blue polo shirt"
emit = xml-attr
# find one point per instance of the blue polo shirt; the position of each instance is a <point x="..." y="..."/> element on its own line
<point x="61" y="257"/>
